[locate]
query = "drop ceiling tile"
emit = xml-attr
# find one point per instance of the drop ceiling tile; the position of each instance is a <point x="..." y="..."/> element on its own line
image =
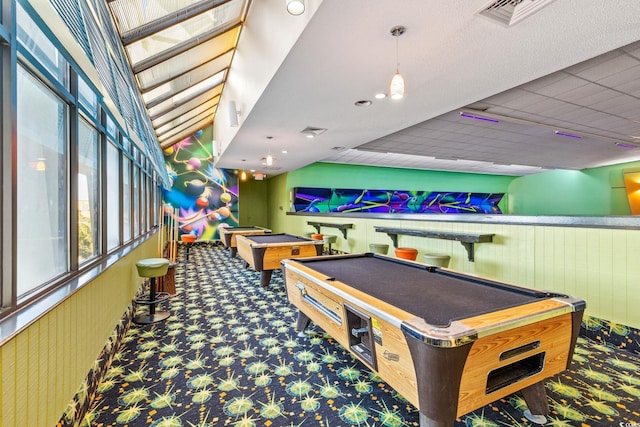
<point x="566" y="84"/>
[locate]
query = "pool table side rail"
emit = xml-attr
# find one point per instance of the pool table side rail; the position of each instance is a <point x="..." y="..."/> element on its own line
<point x="461" y="332"/>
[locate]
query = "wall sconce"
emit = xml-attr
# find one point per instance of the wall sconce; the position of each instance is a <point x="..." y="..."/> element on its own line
<point x="295" y="7"/>
<point x="234" y="114"/>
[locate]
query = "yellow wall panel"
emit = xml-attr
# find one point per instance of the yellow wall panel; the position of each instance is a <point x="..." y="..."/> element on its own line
<point x="21" y="386"/>
<point x="8" y="374"/>
<point x="44" y="365"/>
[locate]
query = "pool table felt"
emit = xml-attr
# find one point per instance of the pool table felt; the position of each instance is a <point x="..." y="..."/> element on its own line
<point x="436" y="296"/>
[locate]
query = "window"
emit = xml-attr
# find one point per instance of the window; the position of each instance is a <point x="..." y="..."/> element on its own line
<point x="87" y="99"/>
<point x="136" y="200"/>
<point x="42" y="185"/>
<point x="38" y="44"/>
<point x="88" y="193"/>
<point x="126" y="199"/>
<point x="113" y="196"/>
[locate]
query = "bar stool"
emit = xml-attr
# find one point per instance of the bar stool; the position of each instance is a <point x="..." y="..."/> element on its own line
<point x="152" y="268"/>
<point x="188" y="240"/>
<point x="329" y="239"/>
<point x="437" y="260"/>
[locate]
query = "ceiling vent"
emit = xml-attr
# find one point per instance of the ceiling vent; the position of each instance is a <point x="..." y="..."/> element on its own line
<point x="510" y="12"/>
<point x="311" y="131"/>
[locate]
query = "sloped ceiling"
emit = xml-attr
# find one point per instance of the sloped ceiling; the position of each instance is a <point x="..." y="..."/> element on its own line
<point x="560" y="88"/>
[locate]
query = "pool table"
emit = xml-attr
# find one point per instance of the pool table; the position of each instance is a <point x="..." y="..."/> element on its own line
<point x="448" y="342"/>
<point x="228" y="236"/>
<point x="264" y="252"/>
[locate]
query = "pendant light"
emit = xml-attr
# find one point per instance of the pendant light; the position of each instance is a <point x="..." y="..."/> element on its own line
<point x="396" y="87"/>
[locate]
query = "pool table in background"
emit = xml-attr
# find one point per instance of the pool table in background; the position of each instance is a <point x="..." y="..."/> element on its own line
<point x="264" y="252"/>
<point x="449" y="343"/>
<point x="228" y="236"/>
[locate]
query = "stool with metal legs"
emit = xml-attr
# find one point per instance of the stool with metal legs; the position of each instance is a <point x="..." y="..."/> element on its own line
<point x="152" y="268"/>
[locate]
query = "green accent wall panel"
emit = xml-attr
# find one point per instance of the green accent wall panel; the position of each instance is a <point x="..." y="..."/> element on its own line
<point x="595" y="192"/>
<point x="252" y="203"/>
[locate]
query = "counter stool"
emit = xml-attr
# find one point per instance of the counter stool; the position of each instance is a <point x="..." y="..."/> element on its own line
<point x="152" y="268"/>
<point x="329" y="239"/>
<point x="437" y="260"/>
<point x="188" y="240"/>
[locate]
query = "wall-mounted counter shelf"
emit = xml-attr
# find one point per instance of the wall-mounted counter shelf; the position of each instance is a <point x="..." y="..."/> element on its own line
<point x="467" y="240"/>
<point x="341" y="227"/>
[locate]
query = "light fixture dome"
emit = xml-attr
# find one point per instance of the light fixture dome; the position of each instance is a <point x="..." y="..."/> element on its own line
<point x="295" y="7"/>
<point x="396" y="88"/>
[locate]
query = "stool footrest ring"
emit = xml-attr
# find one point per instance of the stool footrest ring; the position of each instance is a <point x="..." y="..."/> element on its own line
<point x="160" y="297"/>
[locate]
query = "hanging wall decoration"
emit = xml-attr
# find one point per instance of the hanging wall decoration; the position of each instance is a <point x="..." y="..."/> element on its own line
<point x="307" y="199"/>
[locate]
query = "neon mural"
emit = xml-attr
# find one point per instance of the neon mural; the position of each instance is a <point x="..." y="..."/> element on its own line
<point x="201" y="196"/>
<point x="308" y="199"/>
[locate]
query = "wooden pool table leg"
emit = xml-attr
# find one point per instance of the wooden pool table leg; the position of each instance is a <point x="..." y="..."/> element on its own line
<point x="233" y="252"/>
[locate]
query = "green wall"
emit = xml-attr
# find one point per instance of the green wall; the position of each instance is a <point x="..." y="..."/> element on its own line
<point x="591" y="192"/>
<point x="383" y="178"/>
<point x="595" y="192"/>
<point x="253" y="202"/>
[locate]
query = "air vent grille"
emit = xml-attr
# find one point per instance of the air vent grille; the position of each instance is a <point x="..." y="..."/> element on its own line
<point x="313" y="131"/>
<point x="510" y="12"/>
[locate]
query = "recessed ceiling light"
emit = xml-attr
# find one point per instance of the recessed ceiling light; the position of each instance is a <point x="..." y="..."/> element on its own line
<point x="380" y="95"/>
<point x="284" y="151"/>
<point x="363" y="103"/>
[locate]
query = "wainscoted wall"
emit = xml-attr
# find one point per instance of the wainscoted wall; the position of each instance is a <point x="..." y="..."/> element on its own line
<point x="600" y="265"/>
<point x="42" y="367"/>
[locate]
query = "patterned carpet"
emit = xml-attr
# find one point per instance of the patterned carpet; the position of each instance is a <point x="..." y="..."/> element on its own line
<point x="229" y="355"/>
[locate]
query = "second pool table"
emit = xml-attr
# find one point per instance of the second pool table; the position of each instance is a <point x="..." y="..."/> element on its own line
<point x="228" y="236"/>
<point x="264" y="252"/>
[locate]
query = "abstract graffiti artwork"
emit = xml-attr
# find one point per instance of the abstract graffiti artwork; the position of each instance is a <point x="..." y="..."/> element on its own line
<point x="201" y="196"/>
<point x="308" y="199"/>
